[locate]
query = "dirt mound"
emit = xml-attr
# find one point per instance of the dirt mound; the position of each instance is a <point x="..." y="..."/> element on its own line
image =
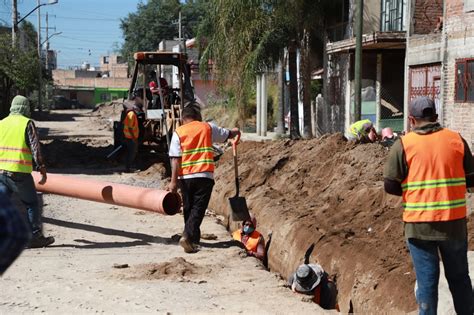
<point x="105" y="114"/>
<point x="176" y="269"/>
<point x="328" y="192"/>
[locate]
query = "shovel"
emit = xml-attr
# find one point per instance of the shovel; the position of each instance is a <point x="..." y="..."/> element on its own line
<point x="238" y="205"/>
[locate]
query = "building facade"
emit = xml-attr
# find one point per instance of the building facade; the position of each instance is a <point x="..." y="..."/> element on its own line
<point x="86" y="86"/>
<point x="440" y="60"/>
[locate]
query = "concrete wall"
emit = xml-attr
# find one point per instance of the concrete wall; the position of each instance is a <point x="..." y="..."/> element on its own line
<point x="459" y="27"/>
<point x="424" y="49"/>
<point x="371" y="16"/>
<point x="96" y="82"/>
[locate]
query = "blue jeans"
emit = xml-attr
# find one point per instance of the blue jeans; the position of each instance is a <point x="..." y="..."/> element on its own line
<point x="426" y="262"/>
<point x="23" y="185"/>
<point x="14" y="233"/>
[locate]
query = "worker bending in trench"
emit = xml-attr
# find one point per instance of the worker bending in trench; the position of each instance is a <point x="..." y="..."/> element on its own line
<point x="430" y="168"/>
<point x="192" y="162"/>
<point x="362" y="131"/>
<point x="311" y="279"/>
<point x="19" y="147"/>
<point x="250" y="238"/>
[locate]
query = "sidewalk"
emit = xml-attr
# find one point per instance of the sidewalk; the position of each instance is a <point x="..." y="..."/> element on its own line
<point x="250" y="136"/>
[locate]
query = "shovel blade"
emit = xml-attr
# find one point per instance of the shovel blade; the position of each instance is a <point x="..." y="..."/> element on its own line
<point x="239" y="209"/>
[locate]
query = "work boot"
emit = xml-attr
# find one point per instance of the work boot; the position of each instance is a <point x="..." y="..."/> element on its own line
<point x="39" y="241"/>
<point x="186" y="245"/>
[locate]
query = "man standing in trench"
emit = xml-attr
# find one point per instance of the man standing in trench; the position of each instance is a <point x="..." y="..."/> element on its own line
<point x="430" y="168"/>
<point x="192" y="160"/>
<point x="19" y="146"/>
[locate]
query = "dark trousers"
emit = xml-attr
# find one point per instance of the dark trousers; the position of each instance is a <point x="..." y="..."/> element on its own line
<point x="23" y="185"/>
<point x="14" y="233"/>
<point x="196" y="196"/>
<point x="132" y="147"/>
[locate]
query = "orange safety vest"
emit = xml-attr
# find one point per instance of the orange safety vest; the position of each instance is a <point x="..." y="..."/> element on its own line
<point x="435" y="187"/>
<point x="130" y="125"/>
<point x="252" y="241"/>
<point x="197" y="155"/>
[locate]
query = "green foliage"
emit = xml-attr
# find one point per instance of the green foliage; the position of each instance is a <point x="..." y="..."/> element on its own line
<point x="316" y="88"/>
<point x="156" y="21"/>
<point x="16" y="64"/>
<point x="240" y="40"/>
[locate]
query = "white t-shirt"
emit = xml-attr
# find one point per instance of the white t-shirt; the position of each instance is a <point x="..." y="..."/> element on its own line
<point x="218" y="134"/>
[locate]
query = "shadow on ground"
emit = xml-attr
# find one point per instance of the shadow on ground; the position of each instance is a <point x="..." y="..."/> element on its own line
<point x="140" y="239"/>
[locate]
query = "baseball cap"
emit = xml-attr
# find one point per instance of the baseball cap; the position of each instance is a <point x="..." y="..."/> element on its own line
<point x="422" y="107"/>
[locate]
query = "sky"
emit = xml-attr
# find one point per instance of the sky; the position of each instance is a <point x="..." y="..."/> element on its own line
<point x="90" y="28"/>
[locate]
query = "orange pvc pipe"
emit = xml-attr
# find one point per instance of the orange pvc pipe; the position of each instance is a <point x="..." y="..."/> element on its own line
<point x="147" y="199"/>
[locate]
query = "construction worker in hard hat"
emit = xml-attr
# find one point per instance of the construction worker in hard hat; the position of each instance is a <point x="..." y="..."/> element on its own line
<point x="311" y="279"/>
<point x="250" y="238"/>
<point x="192" y="165"/>
<point x="430" y="167"/>
<point x="362" y="131"/>
<point x="19" y="148"/>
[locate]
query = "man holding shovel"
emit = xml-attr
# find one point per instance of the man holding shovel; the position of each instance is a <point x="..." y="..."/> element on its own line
<point x="192" y="161"/>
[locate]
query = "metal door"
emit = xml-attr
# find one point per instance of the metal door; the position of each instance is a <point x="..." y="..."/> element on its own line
<point x="425" y="81"/>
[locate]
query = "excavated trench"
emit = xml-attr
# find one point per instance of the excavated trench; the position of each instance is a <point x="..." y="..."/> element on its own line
<point x="327" y="192"/>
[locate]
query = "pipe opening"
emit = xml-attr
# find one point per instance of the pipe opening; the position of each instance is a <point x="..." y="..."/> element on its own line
<point x="171" y="203"/>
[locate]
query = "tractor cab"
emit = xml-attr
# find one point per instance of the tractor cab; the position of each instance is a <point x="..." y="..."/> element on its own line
<point x="164" y="79"/>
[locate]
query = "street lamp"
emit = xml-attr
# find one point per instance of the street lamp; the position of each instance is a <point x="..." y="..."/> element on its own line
<point x="36" y="8"/>
<point x="54" y="34"/>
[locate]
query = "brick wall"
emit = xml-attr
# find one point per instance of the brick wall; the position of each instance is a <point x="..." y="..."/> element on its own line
<point x="426" y="14"/>
<point x="96" y="82"/>
<point x="460" y="44"/>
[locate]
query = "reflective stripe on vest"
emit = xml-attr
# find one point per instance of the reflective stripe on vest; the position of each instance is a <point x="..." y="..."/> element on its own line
<point x="130" y="125"/>
<point x="15" y="155"/>
<point x="252" y="241"/>
<point x="196" y="146"/>
<point x="357" y="128"/>
<point x="435" y="187"/>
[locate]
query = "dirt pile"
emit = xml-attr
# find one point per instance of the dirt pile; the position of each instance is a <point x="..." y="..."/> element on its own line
<point x="175" y="269"/>
<point x="105" y="114"/>
<point x="328" y="192"/>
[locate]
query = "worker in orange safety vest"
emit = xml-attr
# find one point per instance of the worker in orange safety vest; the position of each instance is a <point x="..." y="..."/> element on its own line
<point x="192" y="163"/>
<point x="252" y="240"/>
<point x="430" y="168"/>
<point x="133" y="129"/>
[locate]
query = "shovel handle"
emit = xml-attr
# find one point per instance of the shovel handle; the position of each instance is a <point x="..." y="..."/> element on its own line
<point x="235" y="141"/>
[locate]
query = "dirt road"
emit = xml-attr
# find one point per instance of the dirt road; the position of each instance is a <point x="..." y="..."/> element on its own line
<point x="79" y="273"/>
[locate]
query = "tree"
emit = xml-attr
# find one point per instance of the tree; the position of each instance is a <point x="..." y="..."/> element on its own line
<point x="15" y="66"/>
<point x="243" y="38"/>
<point x="240" y="39"/>
<point x="156" y="21"/>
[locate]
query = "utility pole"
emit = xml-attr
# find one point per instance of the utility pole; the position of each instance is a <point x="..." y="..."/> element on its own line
<point x="14" y="21"/>
<point x="40" y="74"/>
<point x="47" y="44"/>
<point x="358" y="61"/>
<point x="179" y="28"/>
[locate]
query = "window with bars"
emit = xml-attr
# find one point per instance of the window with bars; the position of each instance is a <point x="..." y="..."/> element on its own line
<point x="391" y="19"/>
<point x="464" y="84"/>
